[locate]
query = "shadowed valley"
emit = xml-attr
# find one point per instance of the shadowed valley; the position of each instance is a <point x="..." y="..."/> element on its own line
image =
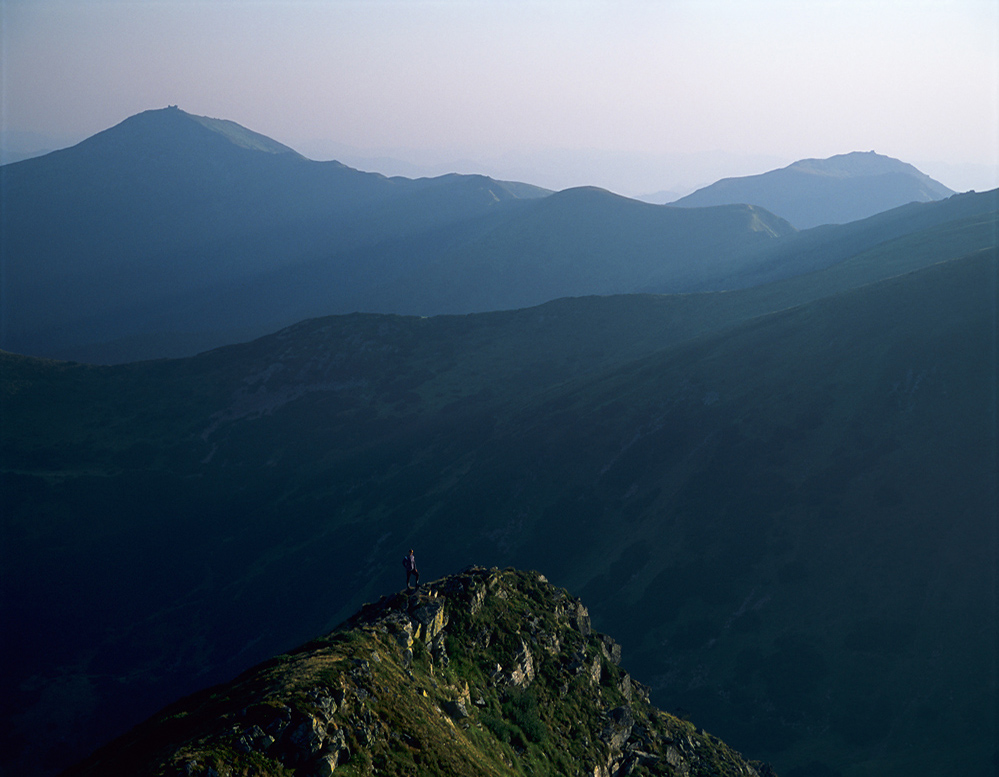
<point x="785" y="518"/>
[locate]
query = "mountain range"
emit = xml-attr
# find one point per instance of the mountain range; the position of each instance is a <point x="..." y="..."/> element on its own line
<point x="837" y="190"/>
<point x="154" y="227"/>
<point x="170" y="233"/>
<point x="780" y="499"/>
<point x="764" y="456"/>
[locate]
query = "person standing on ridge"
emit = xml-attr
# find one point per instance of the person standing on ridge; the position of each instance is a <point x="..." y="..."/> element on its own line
<point x="410" y="563"/>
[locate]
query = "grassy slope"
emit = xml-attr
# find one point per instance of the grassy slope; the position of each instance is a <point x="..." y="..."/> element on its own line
<point x="715" y="493"/>
<point x="382" y="692"/>
<point x="785" y="548"/>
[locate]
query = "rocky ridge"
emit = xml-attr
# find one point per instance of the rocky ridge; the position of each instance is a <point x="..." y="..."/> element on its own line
<point x="485" y="672"/>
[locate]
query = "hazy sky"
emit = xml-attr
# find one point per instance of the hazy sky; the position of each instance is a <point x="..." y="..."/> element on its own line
<point x="477" y="79"/>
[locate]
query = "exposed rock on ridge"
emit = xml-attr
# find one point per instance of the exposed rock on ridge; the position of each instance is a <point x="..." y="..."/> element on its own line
<point x="480" y="673"/>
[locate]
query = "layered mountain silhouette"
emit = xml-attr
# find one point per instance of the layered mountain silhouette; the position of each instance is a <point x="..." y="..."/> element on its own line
<point x="172" y="233"/>
<point x="837" y="190"/>
<point x="479" y="673"/>
<point x="780" y="499"/>
<point x="155" y="228"/>
<point x="176" y="229"/>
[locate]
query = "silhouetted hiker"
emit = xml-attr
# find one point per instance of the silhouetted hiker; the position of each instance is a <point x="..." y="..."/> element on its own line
<point x="410" y="563"/>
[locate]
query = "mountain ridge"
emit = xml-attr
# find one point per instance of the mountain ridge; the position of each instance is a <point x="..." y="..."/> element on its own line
<point x="164" y="203"/>
<point x="839" y="189"/>
<point x="164" y="127"/>
<point x="479" y="673"/>
<point x="169" y="234"/>
<point x="865" y="163"/>
<point x="140" y="231"/>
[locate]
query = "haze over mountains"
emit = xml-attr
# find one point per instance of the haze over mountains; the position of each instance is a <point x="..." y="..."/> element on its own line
<point x="776" y="488"/>
<point x="171" y="233"/>
<point x="171" y="225"/>
<point x="158" y="226"/>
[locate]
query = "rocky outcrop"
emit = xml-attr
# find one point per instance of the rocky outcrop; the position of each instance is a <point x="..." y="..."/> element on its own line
<point x="468" y="676"/>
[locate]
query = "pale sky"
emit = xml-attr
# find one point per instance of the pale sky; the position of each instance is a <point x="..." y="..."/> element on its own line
<point x="631" y="80"/>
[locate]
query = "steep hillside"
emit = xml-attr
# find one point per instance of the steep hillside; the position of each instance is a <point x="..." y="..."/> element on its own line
<point x="907" y="237"/>
<point x="479" y="673"/>
<point x="836" y="190"/>
<point x="736" y="494"/>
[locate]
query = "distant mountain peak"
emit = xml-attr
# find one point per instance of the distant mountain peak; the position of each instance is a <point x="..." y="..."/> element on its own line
<point x="836" y="190"/>
<point x="855" y="163"/>
<point x="172" y="126"/>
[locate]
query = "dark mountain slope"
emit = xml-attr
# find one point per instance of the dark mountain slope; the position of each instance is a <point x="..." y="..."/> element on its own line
<point x="577" y="242"/>
<point x="480" y="673"/>
<point x="586" y="241"/>
<point x="533" y="250"/>
<point x="837" y="190"/>
<point x="935" y="230"/>
<point x="801" y="515"/>
<point x="812" y="489"/>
